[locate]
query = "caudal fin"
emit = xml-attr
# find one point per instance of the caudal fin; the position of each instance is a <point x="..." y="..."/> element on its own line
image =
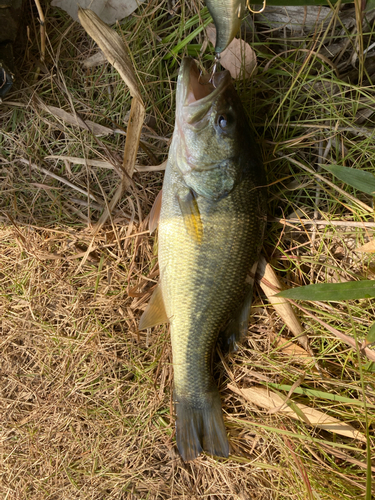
<point x="200" y="425"/>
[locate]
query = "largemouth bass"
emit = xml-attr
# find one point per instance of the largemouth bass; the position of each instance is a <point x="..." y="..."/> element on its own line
<point x="211" y="226"/>
<point x="227" y="16"/>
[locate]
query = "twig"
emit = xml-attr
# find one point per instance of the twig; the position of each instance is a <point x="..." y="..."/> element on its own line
<point x="58" y="178"/>
<point x="307" y="222"/>
<point x="367" y="132"/>
<point x="106" y="164"/>
<point x="342" y="336"/>
<point x="42" y="31"/>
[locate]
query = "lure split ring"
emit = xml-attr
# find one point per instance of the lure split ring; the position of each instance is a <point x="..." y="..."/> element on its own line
<point x="256" y="11"/>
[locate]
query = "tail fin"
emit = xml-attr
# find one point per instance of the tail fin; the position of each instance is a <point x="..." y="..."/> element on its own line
<point x="200" y="425"/>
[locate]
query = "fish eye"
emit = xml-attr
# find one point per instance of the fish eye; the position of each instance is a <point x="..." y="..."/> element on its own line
<point x="223" y="121"/>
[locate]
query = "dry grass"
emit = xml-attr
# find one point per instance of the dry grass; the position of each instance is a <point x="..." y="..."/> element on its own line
<point x="85" y="399"/>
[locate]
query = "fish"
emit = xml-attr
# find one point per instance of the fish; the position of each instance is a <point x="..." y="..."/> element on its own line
<point x="227" y="17"/>
<point x="210" y="233"/>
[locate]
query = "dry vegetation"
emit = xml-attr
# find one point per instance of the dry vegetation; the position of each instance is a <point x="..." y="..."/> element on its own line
<point x="85" y="399"/>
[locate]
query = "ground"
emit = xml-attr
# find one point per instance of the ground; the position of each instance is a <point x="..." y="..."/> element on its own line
<point x="85" y="409"/>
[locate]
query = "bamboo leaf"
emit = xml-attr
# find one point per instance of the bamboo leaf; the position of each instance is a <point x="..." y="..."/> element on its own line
<point x="293" y="351"/>
<point x="351" y="290"/>
<point x="319" y="394"/>
<point x="282" y="307"/>
<point x="370" y="4"/>
<point x="359" y="179"/>
<point x="269" y="400"/>
<point x="367" y="247"/>
<point x="371" y="335"/>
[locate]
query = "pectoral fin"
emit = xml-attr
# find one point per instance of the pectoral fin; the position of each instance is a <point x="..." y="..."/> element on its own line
<point x="155" y="312"/>
<point x="155" y="213"/>
<point x="190" y="212"/>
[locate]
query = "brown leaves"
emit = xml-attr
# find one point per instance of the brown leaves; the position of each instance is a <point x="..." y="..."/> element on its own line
<point x="238" y="58"/>
<point x="367" y="247"/>
<point x="115" y="51"/>
<point x="108" y="11"/>
<point x="112" y="46"/>
<point x="271" y="285"/>
<point x="70" y="119"/>
<point x="266" y="399"/>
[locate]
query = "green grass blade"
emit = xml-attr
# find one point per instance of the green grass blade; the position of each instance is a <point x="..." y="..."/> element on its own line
<point x="319" y="394"/>
<point x="359" y="179"/>
<point x="371" y="335"/>
<point x="188" y="39"/>
<point x="332" y="291"/>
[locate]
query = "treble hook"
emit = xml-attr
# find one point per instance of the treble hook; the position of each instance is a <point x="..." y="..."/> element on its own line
<point x="217" y="61"/>
<point x="211" y="79"/>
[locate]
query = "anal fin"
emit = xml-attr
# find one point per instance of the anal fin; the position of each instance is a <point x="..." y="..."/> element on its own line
<point x="155" y="312"/>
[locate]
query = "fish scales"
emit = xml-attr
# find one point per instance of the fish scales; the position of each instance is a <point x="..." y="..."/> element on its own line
<point x="204" y="281"/>
<point x="211" y="226"/>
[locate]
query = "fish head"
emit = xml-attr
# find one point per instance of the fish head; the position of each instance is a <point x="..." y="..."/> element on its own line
<point x="211" y="130"/>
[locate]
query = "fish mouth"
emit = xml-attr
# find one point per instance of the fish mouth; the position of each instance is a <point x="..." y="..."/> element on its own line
<point x="196" y="93"/>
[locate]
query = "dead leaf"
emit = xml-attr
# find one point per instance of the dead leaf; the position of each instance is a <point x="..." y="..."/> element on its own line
<point x="238" y="58"/>
<point x="105" y="164"/>
<point x="113" y="48"/>
<point x="282" y="306"/>
<point x="115" y="51"/>
<point x="267" y="399"/>
<point x="292" y="350"/>
<point x="363" y="115"/>
<point x="304" y="18"/>
<point x="70" y="119"/>
<point x="97" y="59"/>
<point x="367" y="247"/>
<point x="137" y="115"/>
<point x="108" y="11"/>
<point x="296" y="18"/>
<point x="344" y="456"/>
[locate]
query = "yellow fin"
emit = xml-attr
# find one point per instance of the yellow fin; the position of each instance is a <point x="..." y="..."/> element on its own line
<point x="155" y="312"/>
<point x="155" y="213"/>
<point x="190" y="212"/>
